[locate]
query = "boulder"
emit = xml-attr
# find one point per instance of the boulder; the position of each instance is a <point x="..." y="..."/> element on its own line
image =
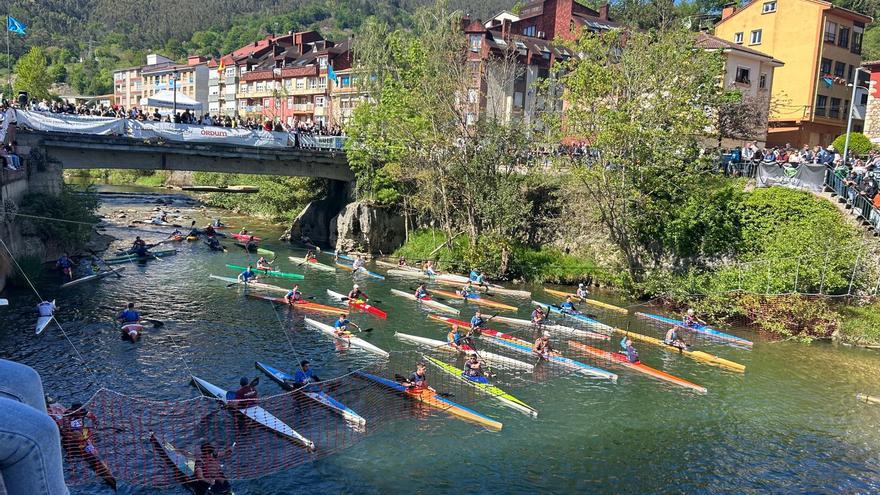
<point x="367" y="228"/>
<point x="313" y="222"/>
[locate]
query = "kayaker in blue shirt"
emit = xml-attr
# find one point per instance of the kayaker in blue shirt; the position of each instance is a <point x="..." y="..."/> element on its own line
<point x="341" y="325"/>
<point x="632" y="355"/>
<point x="247" y="275"/>
<point x="304" y="375"/>
<point x="481" y="280"/>
<point x="422" y="293"/>
<point x="474" y="275"/>
<point x="568" y="306"/>
<point x="477" y="321"/>
<point x="293" y="295"/>
<point x="623" y="342"/>
<point x="468" y="290"/>
<point x="454" y="337"/>
<point x="418" y="379"/>
<point x="66" y="265"/>
<point x="129" y="315"/>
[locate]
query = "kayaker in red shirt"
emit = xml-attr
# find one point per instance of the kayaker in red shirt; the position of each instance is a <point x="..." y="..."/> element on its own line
<point x="357" y="293"/>
<point x="247" y="394"/>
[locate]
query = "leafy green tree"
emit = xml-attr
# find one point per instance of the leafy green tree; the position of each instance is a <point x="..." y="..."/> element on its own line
<point x="31" y="74"/>
<point x="859" y="144"/>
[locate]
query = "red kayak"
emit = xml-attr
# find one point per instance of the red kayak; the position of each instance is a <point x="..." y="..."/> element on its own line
<point x="245" y="237"/>
<point x="466" y="325"/>
<point x="132" y="331"/>
<point x="299" y="304"/>
<point x="358" y="303"/>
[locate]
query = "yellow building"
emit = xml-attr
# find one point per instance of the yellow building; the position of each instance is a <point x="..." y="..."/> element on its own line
<point x="821" y="47"/>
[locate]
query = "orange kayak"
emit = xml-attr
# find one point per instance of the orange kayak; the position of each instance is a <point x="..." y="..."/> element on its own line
<point x="476" y="299"/>
<point x="616" y="357"/>
<point x="300" y="304"/>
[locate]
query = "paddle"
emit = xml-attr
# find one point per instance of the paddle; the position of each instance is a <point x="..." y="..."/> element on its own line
<point x="359" y="328"/>
<point x="105" y="263"/>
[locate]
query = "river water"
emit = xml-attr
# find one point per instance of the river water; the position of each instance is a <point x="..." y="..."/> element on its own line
<point x="790" y="424"/>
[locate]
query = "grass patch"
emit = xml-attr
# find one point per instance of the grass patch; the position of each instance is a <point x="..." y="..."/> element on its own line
<point x="861" y="324"/>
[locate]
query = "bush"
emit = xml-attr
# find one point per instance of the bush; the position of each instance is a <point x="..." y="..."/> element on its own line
<point x="859" y="144"/>
<point x="280" y="198"/>
<point x="69" y="205"/>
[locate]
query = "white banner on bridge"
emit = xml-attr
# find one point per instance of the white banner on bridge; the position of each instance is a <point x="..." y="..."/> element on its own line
<point x="63" y="122"/>
<point x="207" y="134"/>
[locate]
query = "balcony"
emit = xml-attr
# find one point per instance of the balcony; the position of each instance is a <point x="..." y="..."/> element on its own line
<point x="230" y="80"/>
<point x="303" y="108"/>
<point x="213" y="98"/>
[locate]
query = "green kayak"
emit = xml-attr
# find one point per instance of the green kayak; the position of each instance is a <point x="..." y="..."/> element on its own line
<point x="269" y="273"/>
<point x="128" y="258"/>
<point x="259" y="250"/>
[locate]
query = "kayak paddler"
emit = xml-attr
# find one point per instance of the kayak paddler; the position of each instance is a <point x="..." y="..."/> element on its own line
<point x="632" y="355"/>
<point x="402" y="262"/>
<point x="263" y="264"/>
<point x="129" y="315"/>
<point x="356" y="293"/>
<point x="139" y="247"/>
<point x="582" y="291"/>
<point x="429" y="269"/>
<point x="208" y="469"/>
<point x="422" y="293"/>
<point x="467" y="290"/>
<point x="477" y="321"/>
<point x="418" y="379"/>
<point x="542" y="347"/>
<point x="568" y="306"/>
<point x="341" y="326"/>
<point x="87" y="266"/>
<point x="473" y="369"/>
<point x="358" y="262"/>
<point x="304" y="375"/>
<point x="454" y="337"/>
<point x="174" y="234"/>
<point x="480" y="279"/>
<point x="247" y="392"/>
<point x="217" y="224"/>
<point x="690" y="319"/>
<point x="243" y="231"/>
<point x="66" y="265"/>
<point x="538" y="316"/>
<point x="46" y="308"/>
<point x="214" y="244"/>
<point x="209" y="231"/>
<point x="247" y="275"/>
<point x="672" y="338"/>
<point x="78" y="423"/>
<point x="310" y="256"/>
<point x="293" y="295"/>
<point x="251" y="245"/>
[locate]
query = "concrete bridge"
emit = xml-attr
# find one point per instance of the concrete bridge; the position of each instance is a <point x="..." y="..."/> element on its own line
<point x="79" y="151"/>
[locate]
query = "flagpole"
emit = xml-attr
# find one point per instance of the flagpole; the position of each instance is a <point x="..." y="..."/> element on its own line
<point x="8" y="59"/>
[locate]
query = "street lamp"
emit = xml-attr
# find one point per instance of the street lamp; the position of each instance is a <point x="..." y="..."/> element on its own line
<point x="852" y="104"/>
<point x="174" y="90"/>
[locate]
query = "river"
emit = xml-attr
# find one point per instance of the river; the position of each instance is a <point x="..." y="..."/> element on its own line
<point x="790" y="424"/>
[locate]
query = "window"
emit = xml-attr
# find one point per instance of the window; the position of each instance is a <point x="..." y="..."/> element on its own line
<point x="839" y="69"/>
<point x="742" y="75"/>
<point x="289" y="103"/>
<point x="313" y="83"/>
<point x="346" y="81"/>
<point x="319" y="101"/>
<point x="738" y="38"/>
<point x="845" y="113"/>
<point x="476" y="42"/>
<point x="825" y="66"/>
<point x="856" y="45"/>
<point x="769" y="7"/>
<point x="530" y="31"/>
<point x="267" y="102"/>
<point x="301" y="83"/>
<point x="762" y="81"/>
<point x="849" y="75"/>
<point x="322" y="62"/>
<point x="821" y="103"/>
<point x="863" y="99"/>
<point x="834" y="111"/>
<point x="517" y="99"/>
<point x="755" y="38"/>
<point x="843" y="37"/>
<point x="830" y="31"/>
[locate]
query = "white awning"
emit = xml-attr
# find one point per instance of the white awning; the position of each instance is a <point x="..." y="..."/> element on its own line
<point x="165" y="99"/>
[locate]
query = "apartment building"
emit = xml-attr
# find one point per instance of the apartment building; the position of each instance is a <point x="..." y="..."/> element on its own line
<point x="132" y="84"/>
<point x="820" y="45"/>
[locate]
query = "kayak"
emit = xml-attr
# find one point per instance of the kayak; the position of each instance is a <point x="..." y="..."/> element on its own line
<point x="348" y="337"/>
<point x="621" y="359"/>
<point x="703" y="357"/>
<point x="183" y="463"/>
<point x="307" y="305"/>
<point x="245" y="237"/>
<point x="43" y="321"/>
<point x="397" y="267"/>
<point x="270" y="273"/>
<point x="526" y="348"/>
<point x="458" y="279"/>
<point x="552" y="328"/>
<point x="217" y="248"/>
<point x="344" y="257"/>
<point x="129" y="258"/>
<point x="505" y="398"/>
<point x="555" y="309"/>
<point x="430" y="397"/>
<point x="89" y="278"/>
<point x="314" y="393"/>
<point x="70" y="440"/>
<point x="132" y="331"/>
<point x="258" y="250"/>
<point x="358" y="303"/>
<point x="497" y="289"/>
<point x="360" y="270"/>
<point x="255" y="285"/>
<point x="425" y="302"/>
<point x="475" y="298"/>
<point x="587" y="300"/>
<point x="867" y="399"/>
<point x="444" y="346"/>
<point x="312" y="263"/>
<point x="710" y="332"/>
<point x="256" y="414"/>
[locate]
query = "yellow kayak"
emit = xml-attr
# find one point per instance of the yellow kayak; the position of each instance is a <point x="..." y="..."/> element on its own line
<point x="594" y="302"/>
<point x="475" y="298"/>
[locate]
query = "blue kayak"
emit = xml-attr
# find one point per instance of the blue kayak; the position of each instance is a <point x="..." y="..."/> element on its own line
<point x="348" y="266"/>
<point x="575" y="316"/>
<point x="569" y="363"/>
<point x="703" y="329"/>
<point x="286" y="382"/>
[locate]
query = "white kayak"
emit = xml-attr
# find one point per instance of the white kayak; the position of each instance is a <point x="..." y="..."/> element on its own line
<point x="311" y="264"/>
<point x="552" y="328"/>
<point x="255" y="413"/>
<point x="351" y="340"/>
<point x="395" y="266"/>
<point x="444" y="346"/>
<point x="425" y="302"/>
<point x="254" y="285"/>
<point x="88" y="278"/>
<point x="420" y="274"/>
<point x="4" y="302"/>
<point x="43" y="321"/>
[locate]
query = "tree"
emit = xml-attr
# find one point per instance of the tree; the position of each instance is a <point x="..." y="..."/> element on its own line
<point x="643" y="101"/>
<point x="859" y="144"/>
<point x="31" y="74"/>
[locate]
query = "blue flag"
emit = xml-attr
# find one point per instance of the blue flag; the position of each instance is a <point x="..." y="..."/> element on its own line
<point x="14" y="25"/>
<point x="331" y="75"/>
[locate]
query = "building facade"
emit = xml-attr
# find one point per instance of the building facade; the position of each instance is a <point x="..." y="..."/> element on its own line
<point x="158" y="74"/>
<point x="128" y="87"/>
<point x="820" y="46"/>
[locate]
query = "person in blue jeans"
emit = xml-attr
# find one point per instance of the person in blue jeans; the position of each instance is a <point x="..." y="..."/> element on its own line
<point x="30" y="443"/>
